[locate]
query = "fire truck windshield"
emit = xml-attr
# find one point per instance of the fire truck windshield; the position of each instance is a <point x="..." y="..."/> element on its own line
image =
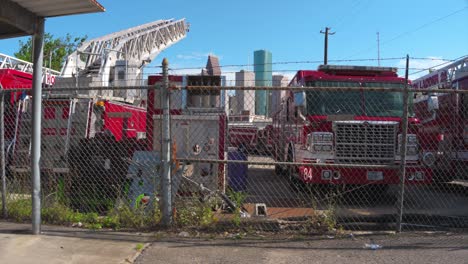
<point x="367" y="103"/>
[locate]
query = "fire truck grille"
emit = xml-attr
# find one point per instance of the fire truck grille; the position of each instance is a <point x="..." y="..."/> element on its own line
<point x="365" y="142"/>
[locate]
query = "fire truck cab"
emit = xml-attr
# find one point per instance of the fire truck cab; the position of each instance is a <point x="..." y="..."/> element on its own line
<point x="444" y="120"/>
<point x="351" y="129"/>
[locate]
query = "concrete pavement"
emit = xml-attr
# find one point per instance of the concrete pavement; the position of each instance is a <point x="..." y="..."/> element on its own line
<point x="66" y="245"/>
<point x="71" y="245"/>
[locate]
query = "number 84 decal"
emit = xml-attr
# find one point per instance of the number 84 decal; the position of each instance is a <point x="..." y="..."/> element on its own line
<point x="306" y="173"/>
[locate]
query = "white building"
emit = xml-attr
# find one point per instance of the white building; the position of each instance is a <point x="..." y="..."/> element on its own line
<point x="244" y="100"/>
<point x="278" y="95"/>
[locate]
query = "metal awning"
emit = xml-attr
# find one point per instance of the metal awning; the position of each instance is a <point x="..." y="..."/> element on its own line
<point x="17" y="17"/>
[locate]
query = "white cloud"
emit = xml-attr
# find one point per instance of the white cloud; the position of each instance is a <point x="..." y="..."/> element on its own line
<point x="196" y="56"/>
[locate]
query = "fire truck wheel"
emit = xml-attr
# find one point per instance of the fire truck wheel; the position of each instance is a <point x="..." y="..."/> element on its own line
<point x="374" y="194"/>
<point x="443" y="176"/>
<point x="297" y="185"/>
<point x="261" y="148"/>
<point x="289" y="170"/>
<point x="279" y="170"/>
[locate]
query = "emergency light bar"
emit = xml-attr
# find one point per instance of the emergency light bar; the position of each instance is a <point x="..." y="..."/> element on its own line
<point x="356" y="68"/>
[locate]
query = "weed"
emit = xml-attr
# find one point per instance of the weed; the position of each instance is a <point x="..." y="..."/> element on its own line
<point x="110" y="222"/>
<point x="126" y="216"/>
<point x="94" y="226"/>
<point x="57" y="213"/>
<point x="330" y="217"/>
<point x="238" y="198"/>
<point x="139" y="247"/>
<point x="20" y="209"/>
<point x="194" y="213"/>
<point x="323" y="221"/>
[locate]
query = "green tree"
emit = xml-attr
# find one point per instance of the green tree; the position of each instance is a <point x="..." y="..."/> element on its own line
<point x="55" y="49"/>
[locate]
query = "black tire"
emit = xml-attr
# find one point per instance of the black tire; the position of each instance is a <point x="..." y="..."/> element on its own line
<point x="373" y="195"/>
<point x="443" y="176"/>
<point x="279" y="170"/>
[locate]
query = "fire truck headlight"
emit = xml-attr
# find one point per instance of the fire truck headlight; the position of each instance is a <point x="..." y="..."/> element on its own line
<point x="325" y="137"/>
<point x="317" y="137"/>
<point x="419" y="175"/>
<point x="328" y="137"/>
<point x="322" y="148"/>
<point x="412" y="150"/>
<point x="412" y="139"/>
<point x="428" y="159"/>
<point x="326" y="175"/>
<point x="326" y="147"/>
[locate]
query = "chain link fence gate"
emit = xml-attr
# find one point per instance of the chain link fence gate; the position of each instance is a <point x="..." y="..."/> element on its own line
<point x="327" y="158"/>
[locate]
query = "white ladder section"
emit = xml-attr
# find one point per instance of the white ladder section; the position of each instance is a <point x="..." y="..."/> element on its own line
<point x="135" y="46"/>
<point x="8" y="62"/>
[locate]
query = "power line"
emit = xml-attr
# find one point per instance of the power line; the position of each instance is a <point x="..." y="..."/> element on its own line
<point x="425" y="25"/>
<point x="414" y="30"/>
<point x="289" y="62"/>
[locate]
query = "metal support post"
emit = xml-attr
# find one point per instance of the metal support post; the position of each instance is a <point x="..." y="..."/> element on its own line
<point x="2" y="146"/>
<point x="38" y="46"/>
<point x="404" y="133"/>
<point x="166" y="149"/>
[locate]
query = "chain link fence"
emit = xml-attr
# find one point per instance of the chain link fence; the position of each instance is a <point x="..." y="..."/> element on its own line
<point x="325" y="156"/>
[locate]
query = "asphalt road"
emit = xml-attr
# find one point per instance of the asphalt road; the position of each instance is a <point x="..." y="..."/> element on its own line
<point x="403" y="248"/>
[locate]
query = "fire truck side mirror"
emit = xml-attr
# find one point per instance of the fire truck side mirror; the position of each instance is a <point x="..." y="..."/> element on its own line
<point x="432" y="103"/>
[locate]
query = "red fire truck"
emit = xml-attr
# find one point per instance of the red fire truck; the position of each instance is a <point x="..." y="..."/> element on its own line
<point x="83" y="113"/>
<point x="65" y="122"/>
<point x="444" y="119"/>
<point x="251" y="135"/>
<point x="355" y="128"/>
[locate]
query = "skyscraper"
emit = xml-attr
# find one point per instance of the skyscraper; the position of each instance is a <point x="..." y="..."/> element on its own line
<point x="212" y="66"/>
<point x="244" y="99"/>
<point x="263" y="77"/>
<point x="277" y="95"/>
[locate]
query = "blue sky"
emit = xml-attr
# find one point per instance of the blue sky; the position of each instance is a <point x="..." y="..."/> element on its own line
<point x="290" y="29"/>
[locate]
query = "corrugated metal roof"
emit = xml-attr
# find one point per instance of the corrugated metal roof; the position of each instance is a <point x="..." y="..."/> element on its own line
<point x="17" y="17"/>
<point x="53" y="8"/>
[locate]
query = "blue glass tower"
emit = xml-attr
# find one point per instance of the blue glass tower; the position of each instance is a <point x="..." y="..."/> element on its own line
<point x="263" y="77"/>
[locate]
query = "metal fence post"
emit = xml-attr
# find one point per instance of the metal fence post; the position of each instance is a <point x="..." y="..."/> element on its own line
<point x="38" y="44"/>
<point x="2" y="146"/>
<point x="166" y="149"/>
<point x="404" y="133"/>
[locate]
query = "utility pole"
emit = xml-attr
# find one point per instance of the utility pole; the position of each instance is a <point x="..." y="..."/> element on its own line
<point x="325" y="55"/>
<point x="378" y="48"/>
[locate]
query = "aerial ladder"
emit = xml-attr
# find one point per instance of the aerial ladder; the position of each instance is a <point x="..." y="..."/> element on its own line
<point x="118" y="59"/>
<point x="114" y="60"/>
<point x="12" y="63"/>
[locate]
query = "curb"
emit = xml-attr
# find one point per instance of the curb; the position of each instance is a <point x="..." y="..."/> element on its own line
<point x="136" y="255"/>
